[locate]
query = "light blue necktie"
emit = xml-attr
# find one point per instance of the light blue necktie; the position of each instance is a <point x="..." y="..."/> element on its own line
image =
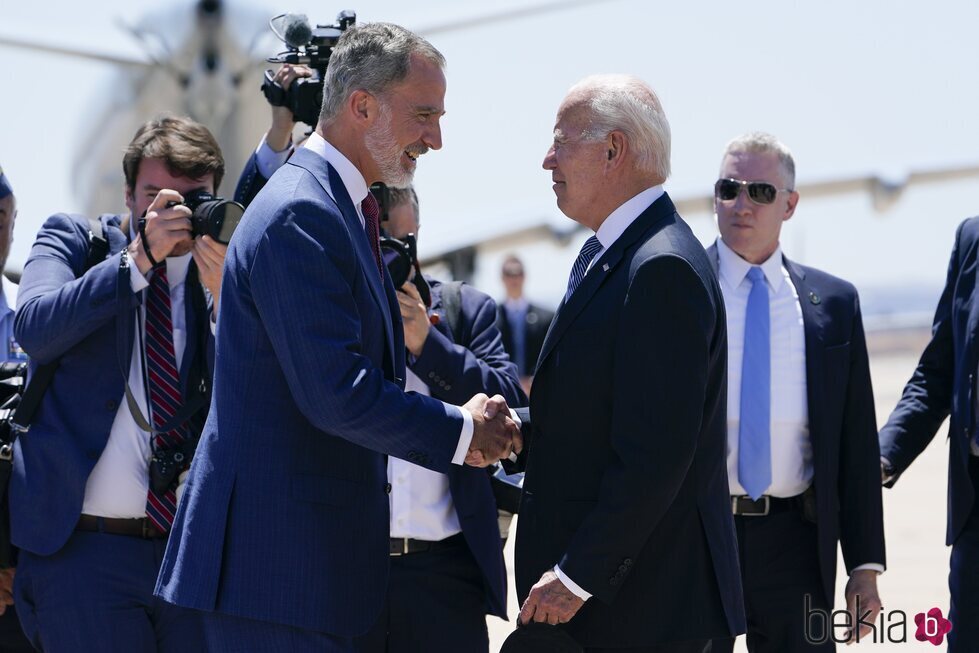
<point x="754" y="433"/>
<point x="591" y="247"/>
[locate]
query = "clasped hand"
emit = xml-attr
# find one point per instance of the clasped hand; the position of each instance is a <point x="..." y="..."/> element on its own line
<point x="495" y="435"/>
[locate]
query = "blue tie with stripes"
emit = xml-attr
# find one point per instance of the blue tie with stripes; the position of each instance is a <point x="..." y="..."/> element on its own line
<point x="754" y="437"/>
<point x="164" y="387"/>
<point x="580" y="267"/>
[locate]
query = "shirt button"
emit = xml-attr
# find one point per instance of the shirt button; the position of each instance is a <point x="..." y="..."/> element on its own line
<point x="111" y="405"/>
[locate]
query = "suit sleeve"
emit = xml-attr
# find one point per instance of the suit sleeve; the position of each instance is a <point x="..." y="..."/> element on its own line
<point x="250" y="182"/>
<point x="302" y="281"/>
<point x="927" y="397"/>
<point x="477" y="364"/>
<point x="56" y="310"/>
<point x="861" y="512"/>
<point x="661" y="374"/>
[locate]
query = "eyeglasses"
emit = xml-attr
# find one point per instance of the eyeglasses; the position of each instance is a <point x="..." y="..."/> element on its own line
<point x="759" y="192"/>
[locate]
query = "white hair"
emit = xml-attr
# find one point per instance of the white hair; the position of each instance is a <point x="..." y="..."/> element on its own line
<point x="627" y="104"/>
<point x="764" y="143"/>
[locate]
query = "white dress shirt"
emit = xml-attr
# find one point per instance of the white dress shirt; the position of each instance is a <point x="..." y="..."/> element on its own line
<point x="421" y="503"/>
<point x="791" y="448"/>
<point x="268" y="160"/>
<point x="357" y="188"/>
<point x="118" y="485"/>
<point x="610" y="230"/>
<point x="792" y="467"/>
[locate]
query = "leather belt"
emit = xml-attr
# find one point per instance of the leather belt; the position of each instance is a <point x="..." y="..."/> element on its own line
<point x="141" y="528"/>
<point x="401" y="546"/>
<point x="745" y="506"/>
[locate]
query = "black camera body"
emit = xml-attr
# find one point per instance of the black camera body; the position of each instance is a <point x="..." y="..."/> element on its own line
<point x="309" y="47"/>
<point x="212" y="216"/>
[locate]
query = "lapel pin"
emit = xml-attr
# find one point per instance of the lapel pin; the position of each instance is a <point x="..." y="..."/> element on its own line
<point x="814" y="298"/>
<point x="605" y="268"/>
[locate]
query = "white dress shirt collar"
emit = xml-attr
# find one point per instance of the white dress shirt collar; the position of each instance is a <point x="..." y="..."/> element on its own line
<point x="8" y="298"/>
<point x="620" y="219"/>
<point x="352" y="179"/>
<point x="734" y="269"/>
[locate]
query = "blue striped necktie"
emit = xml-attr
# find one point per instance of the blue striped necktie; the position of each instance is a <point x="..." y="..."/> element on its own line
<point x="164" y="386"/>
<point x="591" y="247"/>
<point x="754" y="431"/>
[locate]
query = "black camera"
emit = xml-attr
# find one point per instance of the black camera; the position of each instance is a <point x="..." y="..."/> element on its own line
<point x="310" y="47"/>
<point x="166" y="464"/>
<point x="400" y="256"/>
<point x="212" y="216"/>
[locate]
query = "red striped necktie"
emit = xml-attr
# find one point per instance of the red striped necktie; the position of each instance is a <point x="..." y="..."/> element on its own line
<point x="372" y="225"/>
<point x="164" y="389"/>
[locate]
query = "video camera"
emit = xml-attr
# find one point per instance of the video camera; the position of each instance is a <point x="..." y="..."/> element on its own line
<point x="212" y="216"/>
<point x="400" y="255"/>
<point x="308" y="46"/>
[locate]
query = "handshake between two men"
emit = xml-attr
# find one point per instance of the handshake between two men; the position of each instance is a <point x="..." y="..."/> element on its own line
<point x="495" y="434"/>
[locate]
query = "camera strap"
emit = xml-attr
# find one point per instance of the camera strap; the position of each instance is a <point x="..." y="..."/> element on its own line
<point x="124" y="327"/>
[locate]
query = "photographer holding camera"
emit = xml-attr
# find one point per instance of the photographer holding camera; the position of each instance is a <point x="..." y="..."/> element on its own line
<point x="447" y="569"/>
<point x="128" y="316"/>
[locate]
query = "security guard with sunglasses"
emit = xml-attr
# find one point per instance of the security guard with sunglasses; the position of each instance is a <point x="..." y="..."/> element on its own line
<point x="803" y="459"/>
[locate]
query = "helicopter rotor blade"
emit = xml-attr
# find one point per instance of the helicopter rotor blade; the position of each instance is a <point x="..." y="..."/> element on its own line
<point x="75" y="53"/>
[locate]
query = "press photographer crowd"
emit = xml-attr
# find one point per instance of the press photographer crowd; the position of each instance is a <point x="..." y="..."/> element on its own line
<point x="253" y="424"/>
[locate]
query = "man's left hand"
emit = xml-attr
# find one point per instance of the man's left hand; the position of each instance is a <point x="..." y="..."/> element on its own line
<point x="414" y="315"/>
<point x="6" y="589"/>
<point x="862" y="584"/>
<point x="549" y="602"/>
<point x="209" y="255"/>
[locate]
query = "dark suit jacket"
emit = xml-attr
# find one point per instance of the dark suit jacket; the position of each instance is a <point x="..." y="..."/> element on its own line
<point x="454" y="372"/>
<point x="842" y="422"/>
<point x="291" y="473"/>
<point x="944" y="383"/>
<point x="69" y="315"/>
<point x="626" y="486"/>
<point x="536" y="323"/>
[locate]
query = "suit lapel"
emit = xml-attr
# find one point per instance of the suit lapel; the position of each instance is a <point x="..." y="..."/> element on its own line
<point x="333" y="185"/>
<point x="601" y="268"/>
<point x="813" y="321"/>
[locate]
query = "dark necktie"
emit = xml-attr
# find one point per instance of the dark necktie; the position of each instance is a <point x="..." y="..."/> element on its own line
<point x="164" y="388"/>
<point x="754" y="436"/>
<point x="372" y="225"/>
<point x="580" y="267"/>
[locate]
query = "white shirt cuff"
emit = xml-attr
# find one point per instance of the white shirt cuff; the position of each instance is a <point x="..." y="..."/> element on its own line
<point x="136" y="279"/>
<point x="268" y="160"/>
<point x="879" y="568"/>
<point x="571" y="585"/>
<point x="513" y="416"/>
<point x="465" y="437"/>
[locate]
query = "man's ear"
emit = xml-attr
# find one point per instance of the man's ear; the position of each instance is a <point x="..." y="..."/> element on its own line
<point x="131" y="200"/>
<point x="790" y="205"/>
<point x="616" y="146"/>
<point x="364" y="107"/>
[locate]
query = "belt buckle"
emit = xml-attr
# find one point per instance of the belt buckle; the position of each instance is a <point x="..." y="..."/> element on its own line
<point x="404" y="548"/>
<point x="763" y="513"/>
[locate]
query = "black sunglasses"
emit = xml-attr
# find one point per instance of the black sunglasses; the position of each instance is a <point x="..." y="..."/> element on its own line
<point x="759" y="192"/>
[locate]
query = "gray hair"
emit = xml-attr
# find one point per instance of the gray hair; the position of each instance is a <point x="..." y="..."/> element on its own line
<point x="627" y="104"/>
<point x="406" y="195"/>
<point x="764" y="143"/>
<point x="371" y="57"/>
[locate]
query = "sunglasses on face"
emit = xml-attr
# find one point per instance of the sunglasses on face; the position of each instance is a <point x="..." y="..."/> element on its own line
<point x="759" y="192"/>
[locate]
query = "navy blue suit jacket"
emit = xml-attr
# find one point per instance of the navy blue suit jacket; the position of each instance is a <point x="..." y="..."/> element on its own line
<point x="454" y="372"/>
<point x="290" y="477"/>
<point x="945" y="383"/>
<point x="70" y="317"/>
<point x="842" y="422"/>
<point x="626" y="486"/>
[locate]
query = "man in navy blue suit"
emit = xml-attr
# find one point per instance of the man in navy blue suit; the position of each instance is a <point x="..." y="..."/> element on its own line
<point x="282" y="537"/>
<point x="944" y="385"/>
<point x="802" y="451"/>
<point x="90" y="522"/>
<point x="625" y="536"/>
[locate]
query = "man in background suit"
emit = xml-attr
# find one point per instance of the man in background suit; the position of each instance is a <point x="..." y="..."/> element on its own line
<point x="801" y="432"/>
<point x="90" y="525"/>
<point x="943" y="385"/>
<point x="12" y="639"/>
<point x="447" y="569"/>
<point x="291" y="472"/>
<point x="522" y="324"/>
<point x="625" y="535"/>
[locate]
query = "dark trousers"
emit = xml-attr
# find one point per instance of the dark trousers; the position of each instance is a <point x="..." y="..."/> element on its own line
<point x="96" y="594"/>
<point x="229" y="634"/>
<point x="963" y="579"/>
<point x="435" y="602"/>
<point x="696" y="646"/>
<point x="12" y="639"/>
<point x="779" y="568"/>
